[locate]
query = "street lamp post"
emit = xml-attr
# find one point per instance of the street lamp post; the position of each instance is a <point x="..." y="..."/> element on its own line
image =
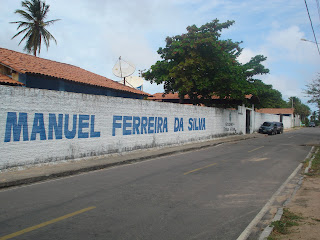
<point x="312" y="42"/>
<point x="303" y="39"/>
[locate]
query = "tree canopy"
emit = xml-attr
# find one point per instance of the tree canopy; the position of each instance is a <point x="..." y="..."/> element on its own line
<point x="313" y="90"/>
<point x="315" y="118"/>
<point x="35" y="25"/>
<point x="299" y="108"/>
<point x="201" y="65"/>
<point x="268" y="97"/>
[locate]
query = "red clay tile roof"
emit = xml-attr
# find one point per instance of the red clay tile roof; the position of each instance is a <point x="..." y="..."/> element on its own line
<point x="24" y="63"/>
<point x="161" y="96"/>
<point x="276" y="110"/>
<point x="9" y="81"/>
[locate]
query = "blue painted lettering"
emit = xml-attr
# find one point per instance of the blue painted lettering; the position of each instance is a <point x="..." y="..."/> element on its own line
<point x="151" y="125"/>
<point x="144" y="124"/>
<point x="135" y="125"/>
<point x="38" y="127"/>
<point x="190" y="124"/>
<point x="165" y="124"/>
<point x="58" y="125"/>
<point x="53" y="125"/>
<point x="203" y="123"/>
<point x="67" y="133"/>
<point x="139" y="125"/>
<point x="160" y="122"/>
<point x="83" y="123"/>
<point x="115" y="124"/>
<point x="14" y="126"/>
<point x="197" y="124"/>
<point x="127" y="125"/>
<point x="92" y="132"/>
<point x="195" y="127"/>
<point x="178" y="124"/>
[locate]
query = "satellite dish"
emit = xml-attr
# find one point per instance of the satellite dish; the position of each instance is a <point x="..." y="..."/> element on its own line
<point x="123" y="69"/>
<point x="134" y="82"/>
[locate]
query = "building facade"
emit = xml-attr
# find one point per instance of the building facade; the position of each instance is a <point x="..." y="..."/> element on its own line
<point x="29" y="71"/>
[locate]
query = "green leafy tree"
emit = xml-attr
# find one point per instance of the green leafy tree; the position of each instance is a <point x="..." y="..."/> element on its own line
<point x="313" y="90"/>
<point x="299" y="108"/>
<point x="200" y="65"/>
<point x="315" y="118"/>
<point x="268" y="97"/>
<point x="34" y="27"/>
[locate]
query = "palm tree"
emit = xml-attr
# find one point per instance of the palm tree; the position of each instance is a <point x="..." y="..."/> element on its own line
<point x="35" y="25"/>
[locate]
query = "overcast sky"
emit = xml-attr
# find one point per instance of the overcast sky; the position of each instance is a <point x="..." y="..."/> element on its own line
<point x="92" y="34"/>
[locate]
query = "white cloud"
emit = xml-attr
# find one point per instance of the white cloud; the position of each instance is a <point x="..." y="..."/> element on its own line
<point x="248" y="53"/>
<point x="286" y="44"/>
<point x="133" y="47"/>
<point x="287" y="86"/>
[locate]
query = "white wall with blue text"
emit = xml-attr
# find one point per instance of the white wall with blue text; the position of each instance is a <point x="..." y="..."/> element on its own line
<point x="38" y="126"/>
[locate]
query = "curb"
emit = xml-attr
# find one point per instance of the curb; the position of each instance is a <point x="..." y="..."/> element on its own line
<point x="246" y="233"/>
<point x="268" y="230"/>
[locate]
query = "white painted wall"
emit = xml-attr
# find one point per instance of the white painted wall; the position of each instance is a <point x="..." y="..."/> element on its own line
<point x="99" y="133"/>
<point x="36" y="103"/>
<point x="296" y="121"/>
<point x="288" y="121"/>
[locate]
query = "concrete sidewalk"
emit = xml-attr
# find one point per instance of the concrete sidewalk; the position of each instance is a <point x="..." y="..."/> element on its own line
<point x="30" y="174"/>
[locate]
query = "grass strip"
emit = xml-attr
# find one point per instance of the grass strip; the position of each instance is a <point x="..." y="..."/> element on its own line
<point x="314" y="171"/>
<point x="281" y="227"/>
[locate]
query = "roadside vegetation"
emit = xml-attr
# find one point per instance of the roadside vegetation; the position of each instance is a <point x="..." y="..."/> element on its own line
<point x="282" y="227"/>
<point x="314" y="171"/>
<point x="289" y="219"/>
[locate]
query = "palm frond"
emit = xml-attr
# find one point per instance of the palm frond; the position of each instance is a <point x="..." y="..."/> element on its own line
<point x="44" y="10"/>
<point x="47" y="36"/>
<point x="47" y="23"/>
<point x="24" y="14"/>
<point x="23" y="24"/>
<point x="22" y="31"/>
<point x="29" y="47"/>
<point x="26" y="35"/>
<point x="35" y="13"/>
<point x="27" y="5"/>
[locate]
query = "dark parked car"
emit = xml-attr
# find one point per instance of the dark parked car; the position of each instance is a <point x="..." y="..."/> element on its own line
<point x="312" y="124"/>
<point x="279" y="127"/>
<point x="268" y="127"/>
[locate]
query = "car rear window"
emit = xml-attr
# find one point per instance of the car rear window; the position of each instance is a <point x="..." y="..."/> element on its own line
<point x="266" y="124"/>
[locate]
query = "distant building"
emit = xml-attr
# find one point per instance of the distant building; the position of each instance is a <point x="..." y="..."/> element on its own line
<point x="21" y="69"/>
<point x="282" y="112"/>
<point x="277" y="111"/>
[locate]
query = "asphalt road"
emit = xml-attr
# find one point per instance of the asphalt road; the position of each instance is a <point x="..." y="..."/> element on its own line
<point x="212" y="193"/>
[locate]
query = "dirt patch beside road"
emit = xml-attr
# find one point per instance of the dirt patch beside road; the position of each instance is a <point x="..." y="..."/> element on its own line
<point x="305" y="206"/>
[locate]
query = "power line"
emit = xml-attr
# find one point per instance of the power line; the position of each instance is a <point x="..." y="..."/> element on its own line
<point x="312" y="26"/>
